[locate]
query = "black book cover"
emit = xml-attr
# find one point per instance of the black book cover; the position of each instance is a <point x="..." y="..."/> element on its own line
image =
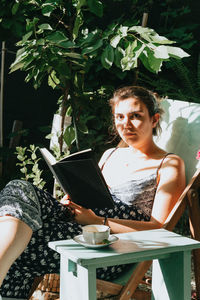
<point x="79" y="176"/>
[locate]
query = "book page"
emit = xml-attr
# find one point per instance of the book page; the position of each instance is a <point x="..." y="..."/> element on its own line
<point x="48" y="156"/>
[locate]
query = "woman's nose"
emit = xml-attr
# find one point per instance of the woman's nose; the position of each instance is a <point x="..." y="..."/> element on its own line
<point x="127" y="122"/>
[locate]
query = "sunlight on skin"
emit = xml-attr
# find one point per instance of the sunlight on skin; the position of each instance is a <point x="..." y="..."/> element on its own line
<point x="135" y="126"/>
<point x="14" y="236"/>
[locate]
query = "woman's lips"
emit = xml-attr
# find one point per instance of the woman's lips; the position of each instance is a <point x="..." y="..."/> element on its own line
<point x="129" y="133"/>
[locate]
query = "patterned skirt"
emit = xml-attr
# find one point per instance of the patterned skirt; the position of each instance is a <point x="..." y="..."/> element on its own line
<point x="49" y="221"/>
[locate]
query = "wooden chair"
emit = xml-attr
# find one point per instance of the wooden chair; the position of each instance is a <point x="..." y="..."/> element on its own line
<point x="188" y="198"/>
<point x="180" y="135"/>
<point x="125" y="287"/>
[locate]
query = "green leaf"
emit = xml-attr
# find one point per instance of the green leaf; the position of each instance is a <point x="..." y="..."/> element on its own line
<point x="161" y="52"/>
<point x="63" y="69"/>
<point x="69" y="111"/>
<point x="129" y="61"/>
<point x="145" y="61"/>
<point x="96" y="7"/>
<point x="73" y="55"/>
<point x="115" y="41"/>
<point x="23" y="170"/>
<point x="158" y="39"/>
<point x="119" y="54"/>
<point x="53" y="81"/>
<point x="78" y="81"/>
<point x="49" y="136"/>
<point x="91" y="38"/>
<point x="30" y="24"/>
<point x="80" y="4"/>
<point x="47" y="9"/>
<point x="40" y="42"/>
<point x="176" y="52"/>
<point x="45" y="26"/>
<point x="27" y="36"/>
<point x="18" y="63"/>
<point x="15" y="8"/>
<point x="29" y="59"/>
<point x="155" y="64"/>
<point x="150" y="62"/>
<point x="69" y="135"/>
<point x="150" y="35"/>
<point x="20" y="157"/>
<point x="82" y="127"/>
<point x="35" y="169"/>
<point x="57" y="37"/>
<point x="33" y="148"/>
<point x="67" y="44"/>
<point x="77" y="24"/>
<point x="123" y="31"/>
<point x="33" y="156"/>
<point x="107" y="57"/>
<point x="139" y="49"/>
<point x="16" y="67"/>
<point x="92" y="48"/>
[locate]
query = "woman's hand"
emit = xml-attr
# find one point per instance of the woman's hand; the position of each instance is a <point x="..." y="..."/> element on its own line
<point x="82" y="215"/>
<point x="65" y="200"/>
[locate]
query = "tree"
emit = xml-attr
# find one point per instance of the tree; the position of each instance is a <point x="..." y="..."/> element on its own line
<point x="180" y="22"/>
<point x="85" y="48"/>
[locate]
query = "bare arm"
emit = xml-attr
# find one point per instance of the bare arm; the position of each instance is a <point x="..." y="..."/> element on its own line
<point x="170" y="187"/>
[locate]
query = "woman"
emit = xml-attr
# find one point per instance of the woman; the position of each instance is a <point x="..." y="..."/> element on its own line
<point x="144" y="180"/>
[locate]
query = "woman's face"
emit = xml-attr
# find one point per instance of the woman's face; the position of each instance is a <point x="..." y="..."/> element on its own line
<point x="133" y="122"/>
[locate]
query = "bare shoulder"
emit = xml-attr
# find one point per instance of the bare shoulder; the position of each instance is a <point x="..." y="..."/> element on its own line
<point x="173" y="166"/>
<point x="173" y="160"/>
<point x="105" y="155"/>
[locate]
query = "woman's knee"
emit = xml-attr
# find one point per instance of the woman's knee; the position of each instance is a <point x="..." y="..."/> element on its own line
<point x="19" y="200"/>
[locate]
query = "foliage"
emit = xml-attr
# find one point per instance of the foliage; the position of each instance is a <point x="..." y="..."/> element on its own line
<point x="71" y="41"/>
<point x="29" y="165"/>
<point x="185" y="85"/>
<point x="179" y="79"/>
<point x="176" y="22"/>
<point x="104" y="54"/>
<point x="45" y="50"/>
<point x="13" y="18"/>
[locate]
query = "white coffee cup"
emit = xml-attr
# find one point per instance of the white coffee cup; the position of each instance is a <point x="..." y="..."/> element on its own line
<point x="95" y="234"/>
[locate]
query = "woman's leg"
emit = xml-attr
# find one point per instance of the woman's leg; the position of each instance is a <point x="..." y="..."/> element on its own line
<point x="14" y="236"/>
<point x="49" y="220"/>
<point x="43" y="219"/>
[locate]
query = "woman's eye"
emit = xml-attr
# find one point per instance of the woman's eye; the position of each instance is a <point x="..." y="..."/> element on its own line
<point x="135" y="116"/>
<point x="119" y="117"/>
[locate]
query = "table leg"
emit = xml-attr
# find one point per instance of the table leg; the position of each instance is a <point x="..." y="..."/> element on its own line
<point x="171" y="278"/>
<point x="76" y="282"/>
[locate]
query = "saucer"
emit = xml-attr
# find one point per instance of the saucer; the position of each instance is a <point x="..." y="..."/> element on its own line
<point x="79" y="239"/>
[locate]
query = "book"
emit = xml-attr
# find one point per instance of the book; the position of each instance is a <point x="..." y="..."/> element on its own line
<point x="79" y="175"/>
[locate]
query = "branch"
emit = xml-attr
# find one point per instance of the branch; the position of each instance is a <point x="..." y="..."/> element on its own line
<point x="63" y="114"/>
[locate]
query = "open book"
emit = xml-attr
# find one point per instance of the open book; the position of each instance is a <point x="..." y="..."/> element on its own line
<point x="79" y="175"/>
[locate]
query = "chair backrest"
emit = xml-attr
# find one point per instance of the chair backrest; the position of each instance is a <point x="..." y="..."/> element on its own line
<point x="180" y="135"/>
<point x="180" y="206"/>
<point x="173" y="218"/>
<point x="181" y="131"/>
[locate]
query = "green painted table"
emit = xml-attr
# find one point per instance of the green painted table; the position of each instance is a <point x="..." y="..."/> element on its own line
<point x="170" y="252"/>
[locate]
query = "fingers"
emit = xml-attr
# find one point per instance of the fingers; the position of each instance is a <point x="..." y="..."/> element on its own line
<point x="74" y="205"/>
<point x="65" y="200"/>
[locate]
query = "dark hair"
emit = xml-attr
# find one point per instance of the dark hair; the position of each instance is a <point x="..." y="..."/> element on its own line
<point x="150" y="99"/>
